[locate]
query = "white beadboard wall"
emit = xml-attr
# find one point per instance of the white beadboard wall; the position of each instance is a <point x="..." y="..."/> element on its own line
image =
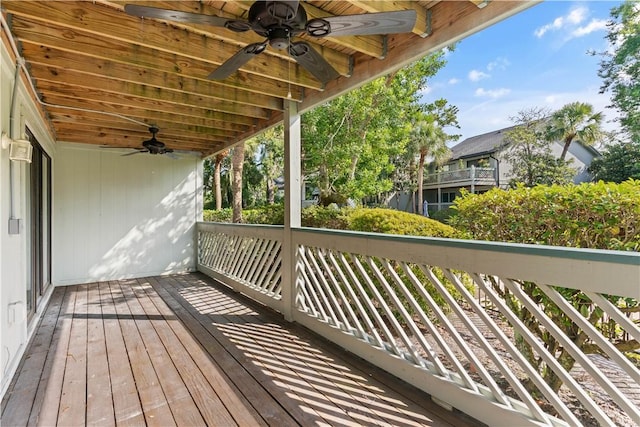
<point x="118" y="217"/>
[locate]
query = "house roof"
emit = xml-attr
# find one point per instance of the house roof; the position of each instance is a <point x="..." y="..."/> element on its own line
<point x="90" y="56"/>
<point x="491" y="142"/>
<point x="480" y="145"/>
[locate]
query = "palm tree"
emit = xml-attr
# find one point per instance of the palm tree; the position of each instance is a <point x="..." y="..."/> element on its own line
<point x="575" y="121"/>
<point x="428" y="139"/>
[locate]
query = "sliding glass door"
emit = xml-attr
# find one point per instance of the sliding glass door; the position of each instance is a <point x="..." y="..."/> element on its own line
<point x="39" y="224"/>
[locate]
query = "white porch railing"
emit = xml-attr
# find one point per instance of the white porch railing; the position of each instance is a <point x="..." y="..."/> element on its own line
<point x="486" y="176"/>
<point x="411" y="305"/>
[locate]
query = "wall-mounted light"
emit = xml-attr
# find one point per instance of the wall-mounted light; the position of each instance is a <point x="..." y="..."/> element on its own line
<point x="20" y="150"/>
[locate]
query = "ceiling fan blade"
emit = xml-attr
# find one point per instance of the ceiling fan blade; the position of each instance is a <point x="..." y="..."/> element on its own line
<point x="312" y="61"/>
<point x="232" y="64"/>
<point x="185" y="17"/>
<point x="138" y="151"/>
<point x="363" y="25"/>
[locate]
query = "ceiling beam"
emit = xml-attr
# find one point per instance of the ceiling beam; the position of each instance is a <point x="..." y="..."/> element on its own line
<point x="161" y="119"/>
<point x="423" y="24"/>
<point x="120" y="105"/>
<point x="102" y="52"/>
<point x="125" y="93"/>
<point x="99" y="19"/>
<point x="132" y="79"/>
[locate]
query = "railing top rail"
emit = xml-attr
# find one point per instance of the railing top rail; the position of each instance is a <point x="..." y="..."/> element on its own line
<point x="260" y="230"/>
<point x="603" y="271"/>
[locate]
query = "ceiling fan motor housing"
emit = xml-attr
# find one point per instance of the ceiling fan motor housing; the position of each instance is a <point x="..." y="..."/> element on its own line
<point x="277" y="21"/>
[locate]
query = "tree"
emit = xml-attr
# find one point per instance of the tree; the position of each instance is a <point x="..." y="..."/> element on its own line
<point x="428" y="139"/>
<point x="237" y="164"/>
<point x="618" y="163"/>
<point x="530" y="156"/>
<point x="270" y="156"/>
<point x="216" y="181"/>
<point x="620" y="67"/>
<point x="216" y="177"/>
<point x="576" y="120"/>
<point x="350" y="143"/>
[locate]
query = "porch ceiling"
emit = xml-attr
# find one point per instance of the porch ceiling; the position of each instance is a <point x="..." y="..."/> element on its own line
<point x="91" y="55"/>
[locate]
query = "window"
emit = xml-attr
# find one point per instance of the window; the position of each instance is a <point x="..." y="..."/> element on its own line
<point x="448" y="197"/>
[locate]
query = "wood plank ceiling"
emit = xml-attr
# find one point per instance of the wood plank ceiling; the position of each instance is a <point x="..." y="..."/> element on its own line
<point x="88" y="57"/>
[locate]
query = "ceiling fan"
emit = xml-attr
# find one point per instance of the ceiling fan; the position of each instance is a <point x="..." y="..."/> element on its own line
<point x="151" y="146"/>
<point x="279" y="22"/>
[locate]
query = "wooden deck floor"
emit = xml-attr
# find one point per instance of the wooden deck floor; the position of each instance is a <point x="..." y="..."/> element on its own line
<point x="183" y="350"/>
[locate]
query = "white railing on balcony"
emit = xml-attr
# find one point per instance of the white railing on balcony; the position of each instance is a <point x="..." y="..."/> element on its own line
<point x="469" y="175"/>
<point x="433" y="312"/>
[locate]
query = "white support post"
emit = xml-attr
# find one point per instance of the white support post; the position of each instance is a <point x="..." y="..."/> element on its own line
<point x="292" y="205"/>
<point x="473" y="179"/>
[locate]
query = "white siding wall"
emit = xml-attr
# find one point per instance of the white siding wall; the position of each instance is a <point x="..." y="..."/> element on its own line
<point x="113" y="217"/>
<point x="120" y="216"/>
<point x="14" y="248"/>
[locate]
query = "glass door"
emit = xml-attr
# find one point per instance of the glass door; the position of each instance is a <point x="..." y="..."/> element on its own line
<point x="39" y="226"/>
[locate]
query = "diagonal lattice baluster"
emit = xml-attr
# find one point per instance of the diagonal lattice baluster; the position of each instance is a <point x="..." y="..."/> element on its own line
<point x="315" y="280"/>
<point x="544" y="354"/>
<point x="509" y="375"/>
<point x="576" y="353"/>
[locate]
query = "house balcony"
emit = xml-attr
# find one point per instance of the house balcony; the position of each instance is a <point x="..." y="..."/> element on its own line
<point x="428" y="311"/>
<point x="469" y="178"/>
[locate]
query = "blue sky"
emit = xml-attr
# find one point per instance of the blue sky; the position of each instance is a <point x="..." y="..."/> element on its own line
<point x="537" y="58"/>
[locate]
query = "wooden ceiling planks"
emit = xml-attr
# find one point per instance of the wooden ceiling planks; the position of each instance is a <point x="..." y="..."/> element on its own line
<point x="89" y="57"/>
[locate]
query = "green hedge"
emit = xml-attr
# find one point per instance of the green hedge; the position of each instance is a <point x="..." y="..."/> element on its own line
<point x="377" y="220"/>
<point x="594" y="215"/>
<point x="390" y="221"/>
<point x="211" y="215"/>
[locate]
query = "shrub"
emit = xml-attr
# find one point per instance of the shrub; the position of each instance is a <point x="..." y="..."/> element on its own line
<point x="223" y="215"/>
<point x="598" y="216"/>
<point x="442" y="215"/>
<point x="325" y="217"/>
<point x="594" y="215"/>
<point x="390" y="221"/>
<point x="267" y="214"/>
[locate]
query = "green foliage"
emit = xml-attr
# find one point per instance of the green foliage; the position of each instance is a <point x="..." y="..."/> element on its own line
<point x="325" y="217"/>
<point x="621" y="65"/>
<point x="529" y="154"/>
<point x="618" y="163"/>
<point x="390" y="221"/>
<point x="600" y="216"/>
<point x="351" y="142"/>
<point x="592" y="215"/>
<point x="443" y="215"/>
<point x="266" y="214"/>
<point x="212" y="215"/>
<point x="575" y="121"/>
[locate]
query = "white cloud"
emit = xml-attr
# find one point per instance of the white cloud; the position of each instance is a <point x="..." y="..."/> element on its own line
<point x="500" y="63"/>
<point x="594" y="25"/>
<point x="477" y="75"/>
<point x="454" y="81"/>
<point x="482" y="116"/>
<point x="577" y="15"/>
<point x="574" y="18"/>
<point x="492" y="93"/>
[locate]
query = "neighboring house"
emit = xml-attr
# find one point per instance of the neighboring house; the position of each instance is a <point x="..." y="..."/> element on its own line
<point x="478" y="164"/>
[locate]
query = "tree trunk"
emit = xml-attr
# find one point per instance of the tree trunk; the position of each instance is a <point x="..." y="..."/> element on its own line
<point x="216" y="181"/>
<point x="420" y="178"/>
<point x="271" y="191"/>
<point x="565" y="149"/>
<point x="237" y="163"/>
